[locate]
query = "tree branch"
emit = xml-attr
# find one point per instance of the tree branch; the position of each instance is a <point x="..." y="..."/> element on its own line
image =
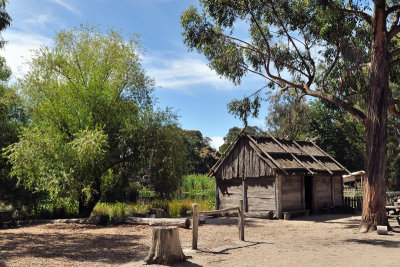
<point x="358" y="114"/>
<point x="392" y="9"/>
<point x="393" y="32"/>
<point x="395" y="20"/>
<point x="291" y="41"/>
<point x="348" y="74"/>
<point x="393" y="103"/>
<point x="267" y="60"/>
<point x="339" y="50"/>
<point x="394" y="53"/>
<point x="394" y="63"/>
<point x="359" y="14"/>
<point x="262" y="54"/>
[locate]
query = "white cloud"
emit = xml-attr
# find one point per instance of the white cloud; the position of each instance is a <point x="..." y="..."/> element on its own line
<point x="177" y="73"/>
<point x="217" y="141"/>
<point x="18" y="49"/>
<point x="40" y="19"/>
<point x="65" y="5"/>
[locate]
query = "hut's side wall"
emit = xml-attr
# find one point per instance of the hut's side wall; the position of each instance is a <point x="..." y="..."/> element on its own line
<point x="229" y="192"/>
<point x="292" y="192"/>
<point x="261" y="194"/>
<point x="323" y="191"/>
<point x="337" y="185"/>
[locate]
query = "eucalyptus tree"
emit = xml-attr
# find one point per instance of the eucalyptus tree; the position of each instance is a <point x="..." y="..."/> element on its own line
<point x="339" y="51"/>
<point x="87" y="96"/>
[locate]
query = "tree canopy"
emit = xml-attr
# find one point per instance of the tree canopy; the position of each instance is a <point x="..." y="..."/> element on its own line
<point x="92" y="119"/>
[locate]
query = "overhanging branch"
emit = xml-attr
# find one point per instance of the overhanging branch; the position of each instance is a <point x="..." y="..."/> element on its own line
<point x="359" y="14"/>
<point x="358" y="114"/>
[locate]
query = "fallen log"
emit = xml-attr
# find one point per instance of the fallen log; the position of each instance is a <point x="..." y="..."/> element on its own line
<point x="179" y="222"/>
<point x="259" y="214"/>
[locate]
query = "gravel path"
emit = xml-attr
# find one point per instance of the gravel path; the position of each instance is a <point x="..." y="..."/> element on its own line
<point x="325" y="240"/>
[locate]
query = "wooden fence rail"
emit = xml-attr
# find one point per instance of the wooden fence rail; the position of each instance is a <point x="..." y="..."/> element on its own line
<point x="196" y="213"/>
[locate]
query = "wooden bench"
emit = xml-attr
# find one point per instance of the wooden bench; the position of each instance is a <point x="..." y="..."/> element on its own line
<point x="288" y="214"/>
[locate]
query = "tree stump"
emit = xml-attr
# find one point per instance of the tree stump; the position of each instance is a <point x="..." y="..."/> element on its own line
<point x="165" y="246"/>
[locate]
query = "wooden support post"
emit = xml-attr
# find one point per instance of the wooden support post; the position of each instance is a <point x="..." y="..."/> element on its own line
<point x="195" y="229"/>
<point x="333" y="191"/>
<point x="217" y="201"/>
<point x="303" y="194"/>
<point x="278" y="196"/>
<point x="244" y="188"/>
<point x="241" y="220"/>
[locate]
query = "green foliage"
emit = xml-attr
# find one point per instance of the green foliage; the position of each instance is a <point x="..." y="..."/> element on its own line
<point x="92" y="122"/>
<point x="161" y="204"/>
<point x="338" y="134"/>
<point x="287" y="116"/>
<point x="118" y="209"/>
<point x="162" y="154"/>
<point x="200" y="155"/>
<point x="245" y="107"/>
<point x="233" y="133"/>
<point x="197" y="187"/>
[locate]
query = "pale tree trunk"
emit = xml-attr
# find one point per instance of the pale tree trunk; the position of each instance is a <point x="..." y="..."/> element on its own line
<point x="374" y="186"/>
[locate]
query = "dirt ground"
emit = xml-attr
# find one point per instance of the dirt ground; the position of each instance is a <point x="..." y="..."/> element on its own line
<point x="323" y="240"/>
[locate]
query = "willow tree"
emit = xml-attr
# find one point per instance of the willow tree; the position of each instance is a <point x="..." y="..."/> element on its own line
<point x="87" y="97"/>
<point x="339" y="51"/>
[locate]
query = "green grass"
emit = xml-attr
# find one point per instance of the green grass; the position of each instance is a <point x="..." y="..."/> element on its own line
<point x="198" y="187"/>
<point x="175" y="208"/>
<point x="118" y="209"/>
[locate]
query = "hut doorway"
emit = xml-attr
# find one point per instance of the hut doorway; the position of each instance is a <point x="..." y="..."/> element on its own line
<point x="308" y="192"/>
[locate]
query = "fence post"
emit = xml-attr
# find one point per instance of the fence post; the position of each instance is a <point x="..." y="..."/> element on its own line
<point x="241" y="220"/>
<point x="195" y="229"/>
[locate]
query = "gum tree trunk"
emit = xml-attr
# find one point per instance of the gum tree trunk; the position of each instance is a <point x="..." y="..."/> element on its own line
<point x="374" y="186"/>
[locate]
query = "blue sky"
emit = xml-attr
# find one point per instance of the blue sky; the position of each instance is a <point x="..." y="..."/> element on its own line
<point x="184" y="81"/>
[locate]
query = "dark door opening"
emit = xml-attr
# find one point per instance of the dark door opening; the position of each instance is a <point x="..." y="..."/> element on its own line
<point x="308" y="192"/>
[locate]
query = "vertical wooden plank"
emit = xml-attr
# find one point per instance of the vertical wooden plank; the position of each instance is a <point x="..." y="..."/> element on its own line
<point x="241" y="220"/>
<point x="303" y="194"/>
<point x="235" y="163"/>
<point x="244" y="188"/>
<point x="341" y="182"/>
<point x="278" y="196"/>
<point x="315" y="194"/>
<point x="195" y="229"/>
<point x="333" y="191"/>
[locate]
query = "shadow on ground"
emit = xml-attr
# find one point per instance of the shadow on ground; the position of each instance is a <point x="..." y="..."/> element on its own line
<point x="79" y="247"/>
<point x="226" y="250"/>
<point x="230" y="221"/>
<point x="376" y="242"/>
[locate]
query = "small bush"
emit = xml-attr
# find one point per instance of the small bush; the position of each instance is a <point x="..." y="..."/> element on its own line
<point x="174" y="208"/>
<point x="161" y="204"/>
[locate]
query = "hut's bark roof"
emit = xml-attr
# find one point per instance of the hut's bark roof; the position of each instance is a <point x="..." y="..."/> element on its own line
<point x="289" y="157"/>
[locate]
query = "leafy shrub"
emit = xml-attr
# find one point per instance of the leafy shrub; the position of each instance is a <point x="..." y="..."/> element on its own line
<point x="161" y="204"/>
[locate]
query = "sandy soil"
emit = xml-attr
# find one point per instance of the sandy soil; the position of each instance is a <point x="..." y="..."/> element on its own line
<point x="324" y="240"/>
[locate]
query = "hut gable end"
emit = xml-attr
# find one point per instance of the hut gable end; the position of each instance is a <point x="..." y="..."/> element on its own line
<point x="253" y="157"/>
<point x="242" y="160"/>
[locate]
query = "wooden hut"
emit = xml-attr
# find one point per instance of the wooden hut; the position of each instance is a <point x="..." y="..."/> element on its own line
<point x="277" y="175"/>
